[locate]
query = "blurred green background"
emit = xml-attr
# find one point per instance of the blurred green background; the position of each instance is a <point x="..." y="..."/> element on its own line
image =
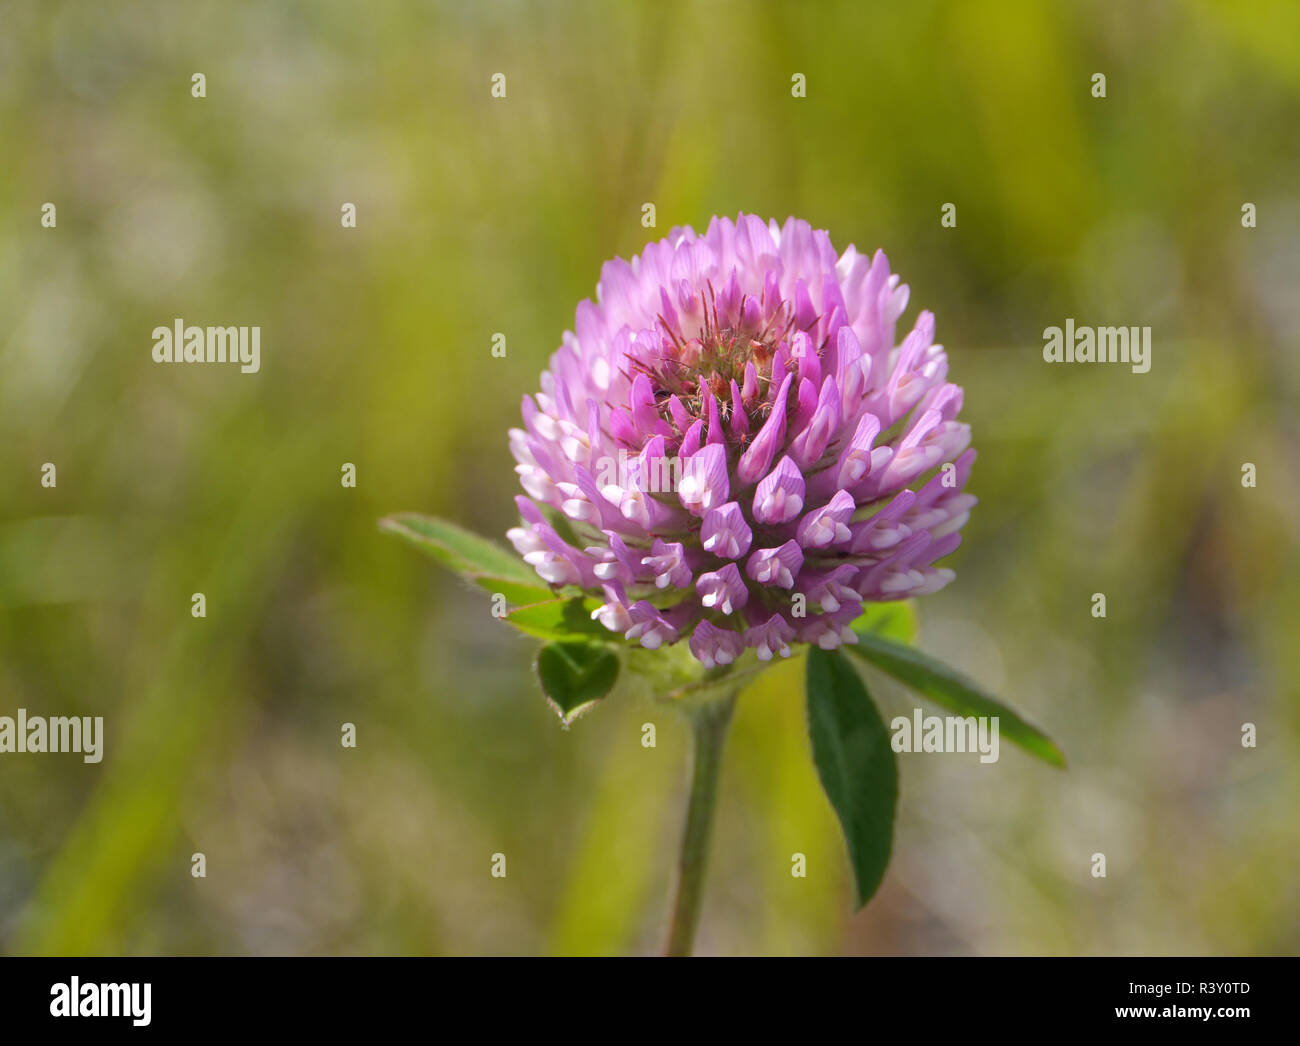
<point x="478" y="216"/>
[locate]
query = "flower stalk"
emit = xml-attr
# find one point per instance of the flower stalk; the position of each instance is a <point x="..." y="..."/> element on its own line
<point x="709" y="721"/>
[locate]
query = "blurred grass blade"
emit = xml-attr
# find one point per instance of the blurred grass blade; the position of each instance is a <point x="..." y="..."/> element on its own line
<point x="462" y="550"/>
<point x="893" y="620"/>
<point x="575" y="675"/>
<point x="561" y="619"/>
<point x="947" y="687"/>
<point x="855" y="762"/>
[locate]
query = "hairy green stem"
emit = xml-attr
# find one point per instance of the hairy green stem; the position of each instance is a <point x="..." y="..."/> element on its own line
<point x="709" y="721"/>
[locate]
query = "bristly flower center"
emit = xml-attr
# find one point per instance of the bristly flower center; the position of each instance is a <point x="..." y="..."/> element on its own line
<point x="706" y="366"/>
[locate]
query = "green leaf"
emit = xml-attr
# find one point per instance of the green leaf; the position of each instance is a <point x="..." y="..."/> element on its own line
<point x="517" y="595"/>
<point x="575" y="675"/>
<point x="855" y="762"/>
<point x="561" y="619"/>
<point x="893" y="620"/>
<point x="486" y="563"/>
<point x="949" y="688"/>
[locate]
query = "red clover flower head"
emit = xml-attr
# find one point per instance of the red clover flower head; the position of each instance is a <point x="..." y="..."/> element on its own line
<point x="731" y="448"/>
